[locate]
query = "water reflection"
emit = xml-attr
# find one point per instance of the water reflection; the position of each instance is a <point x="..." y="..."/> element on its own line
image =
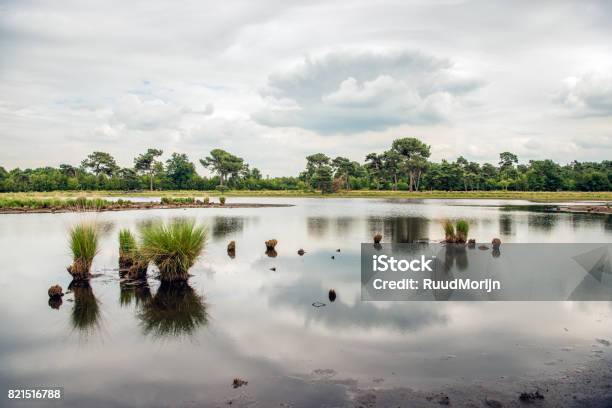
<point x="134" y="291"/>
<point x="542" y="221"/>
<point x="85" y="314"/>
<point x="318" y="227"/>
<point x="398" y="316"/>
<point x="55" y="302"/>
<point x="175" y="310"/>
<point x="400" y="229"/>
<point x="506" y="222"/>
<point x="223" y="226"/>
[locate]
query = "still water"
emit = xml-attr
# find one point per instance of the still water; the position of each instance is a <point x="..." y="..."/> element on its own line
<point x="121" y="345"/>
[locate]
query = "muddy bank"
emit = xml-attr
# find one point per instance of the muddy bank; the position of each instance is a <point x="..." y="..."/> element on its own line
<point x="586" y="209"/>
<point x="588" y="385"/>
<point x="135" y="206"/>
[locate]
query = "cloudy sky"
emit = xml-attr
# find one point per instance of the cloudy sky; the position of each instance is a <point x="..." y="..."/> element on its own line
<point x="273" y="81"/>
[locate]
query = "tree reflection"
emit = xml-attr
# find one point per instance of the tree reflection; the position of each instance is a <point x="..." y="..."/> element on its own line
<point x="175" y="310"/>
<point x="400" y="229"/>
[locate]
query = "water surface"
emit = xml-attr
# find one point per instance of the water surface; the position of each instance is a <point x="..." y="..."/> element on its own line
<point x="116" y="344"/>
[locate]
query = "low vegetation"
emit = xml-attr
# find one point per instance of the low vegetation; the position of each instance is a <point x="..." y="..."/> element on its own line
<point x="456" y="233"/>
<point x="173" y="248"/>
<point x="83" y="244"/>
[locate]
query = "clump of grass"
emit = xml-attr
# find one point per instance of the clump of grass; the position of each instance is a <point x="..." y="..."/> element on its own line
<point x="222" y="200"/>
<point x="83" y="243"/>
<point x="456" y="233"/>
<point x="449" y="231"/>
<point x="127" y="248"/>
<point x="177" y="200"/>
<point x="462" y="227"/>
<point x="173" y="248"/>
<point x="206" y="200"/>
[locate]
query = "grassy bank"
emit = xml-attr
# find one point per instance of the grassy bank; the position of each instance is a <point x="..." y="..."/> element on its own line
<point x="536" y="196"/>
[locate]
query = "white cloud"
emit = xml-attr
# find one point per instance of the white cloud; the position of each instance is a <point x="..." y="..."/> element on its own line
<point x="356" y="91"/>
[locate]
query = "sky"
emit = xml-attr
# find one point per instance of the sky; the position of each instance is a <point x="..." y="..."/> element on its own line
<point x="275" y="80"/>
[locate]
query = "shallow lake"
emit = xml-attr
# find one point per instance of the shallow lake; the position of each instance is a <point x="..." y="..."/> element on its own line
<point x="116" y="344"/>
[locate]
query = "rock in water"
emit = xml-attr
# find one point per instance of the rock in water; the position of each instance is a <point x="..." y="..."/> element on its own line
<point x="231" y="247"/>
<point x="332" y="295"/>
<point x="301" y="252"/>
<point x="55" y="292"/>
<point x="377" y="238"/>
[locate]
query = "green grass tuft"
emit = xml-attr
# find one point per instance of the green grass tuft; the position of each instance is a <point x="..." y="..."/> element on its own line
<point x="462" y="227"/>
<point x="173" y="248"/>
<point x="83" y="244"/>
<point x="127" y="242"/>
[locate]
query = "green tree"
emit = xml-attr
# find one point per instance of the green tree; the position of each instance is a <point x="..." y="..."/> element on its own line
<point x="100" y="163"/>
<point x="147" y="164"/>
<point x="343" y="167"/>
<point x="322" y="179"/>
<point x="415" y="154"/>
<point x="222" y="163"/>
<point x="179" y="170"/>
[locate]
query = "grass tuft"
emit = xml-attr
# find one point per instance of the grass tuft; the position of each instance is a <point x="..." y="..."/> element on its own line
<point x="173" y="248"/>
<point x="83" y="243"/>
<point x="462" y="227"/>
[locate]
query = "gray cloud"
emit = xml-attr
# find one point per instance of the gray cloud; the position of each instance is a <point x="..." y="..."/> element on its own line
<point x="348" y="91"/>
<point x="588" y="95"/>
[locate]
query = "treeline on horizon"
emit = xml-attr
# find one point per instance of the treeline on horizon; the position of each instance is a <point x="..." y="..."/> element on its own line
<point x="405" y="166"/>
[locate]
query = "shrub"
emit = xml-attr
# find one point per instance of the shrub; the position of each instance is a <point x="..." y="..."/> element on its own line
<point x="173" y="248"/>
<point x="222" y="200"/>
<point x="84" y="247"/>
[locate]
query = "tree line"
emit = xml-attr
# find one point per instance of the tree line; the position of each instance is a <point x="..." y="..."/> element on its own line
<point x="405" y="166"/>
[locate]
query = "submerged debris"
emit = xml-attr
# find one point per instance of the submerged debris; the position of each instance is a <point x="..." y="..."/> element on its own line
<point x="493" y="403"/>
<point x="496" y="243"/>
<point x="333" y="257"/>
<point x="271" y="244"/>
<point x="531" y="396"/>
<point x="338" y="250"/>
<point x="332" y="295"/>
<point x="318" y="304"/>
<point x="604" y="342"/>
<point x="239" y="382"/>
<point x="483" y="247"/>
<point x="273" y="268"/>
<point x="55" y="292"/>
